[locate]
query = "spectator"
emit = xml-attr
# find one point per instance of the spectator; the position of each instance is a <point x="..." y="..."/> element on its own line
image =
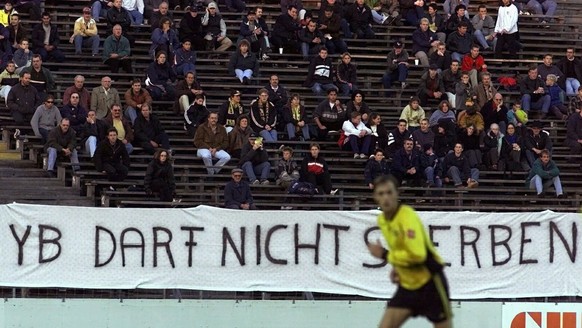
<point x="456" y="167"/>
<point x="94" y="131"/>
<point x="135" y="97"/>
<point x="451" y="77"/>
<point x="346" y="74"/>
<point x="543" y="174"/>
<point x="165" y="38"/>
<point x="160" y="14"/>
<point x="186" y="91"/>
<point x="116" y="51"/>
<point x="8" y="79"/>
<point x="329" y="115"/>
<point x="412" y="114"/>
<point x="484" y="90"/>
<point x="359" y="17"/>
<point x="121" y="125"/>
<point x="412" y="11"/>
<point x="506" y="29"/>
<point x="265" y="33"/>
<point x="294" y="118"/>
<point x="252" y="31"/>
<point x="460" y="41"/>
<point x="444" y="140"/>
<point x="264" y="117"/>
<point x="357" y="136"/>
<point x="311" y="40"/>
<point x="298" y="4"/>
<point x="379" y="133"/>
<point x="450" y="5"/>
<point x="118" y="15"/>
<point x="534" y="93"/>
<point x="46" y="117"/>
<point x="431" y="86"/>
<point x="40" y="77"/>
<point x="160" y="78"/>
<point x="320" y="74"/>
<point x="23" y="99"/>
<point x="191" y="29"/>
<point x="556" y="95"/>
<point x="484" y="28"/>
<point x="330" y="25"/>
<point x="406" y="165"/>
<point x="572" y="69"/>
<point x="239" y="136"/>
<point x="286" y="29"/>
<point x="470" y="139"/>
<point x="254" y="161"/>
<point x="215" y="29"/>
<point x="287" y="170"/>
<point x="111" y="157"/>
<point x="511" y="151"/>
<point x="517" y="116"/>
<point x="75" y="113"/>
<point x="16" y="31"/>
<point x="7" y="12"/>
<point x="430" y="166"/>
<point x="495" y="112"/>
<point x="23" y="56"/>
<point x="464" y="92"/>
<point x="230" y="110"/>
<point x="61" y="143"/>
<point x="537" y="140"/>
<point x="547" y="67"/>
<point x="575" y="105"/>
<point x="99" y="9"/>
<point x="185" y="59"/>
<point x="544" y="9"/>
<point x="79" y="88"/>
<point x="473" y="63"/>
<point x="493" y="142"/>
<point x="423" y="136"/>
<point x="387" y="12"/>
<point x="243" y="64"/>
<point x="471" y="116"/>
<point x="436" y="22"/>
<point x="376" y="167"/>
<point x="159" y="177"/>
<point x="103" y="97"/>
<point x="237" y="193"/>
<point x="32" y="7"/>
<point x="424" y="42"/>
<point x="574" y="137"/>
<point x="212" y="142"/>
<point x="314" y="170"/>
<point x="443" y="113"/>
<point x="149" y="132"/>
<point x="397" y="137"/>
<point x="357" y="104"/>
<point x="45" y="40"/>
<point x="459" y="16"/>
<point x="196" y="115"/>
<point x="5" y="48"/>
<point x="277" y="94"/>
<point x="397" y="68"/>
<point x="441" y="57"/>
<point x="85" y="33"/>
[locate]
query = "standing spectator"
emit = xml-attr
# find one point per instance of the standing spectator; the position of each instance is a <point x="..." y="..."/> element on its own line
<point x="158" y="15"/>
<point x="442" y="114"/>
<point x="347" y="75"/>
<point x="75" y="112"/>
<point x="460" y="41"/>
<point x="543" y="174"/>
<point x="45" y="40"/>
<point x="424" y="42"/>
<point x="215" y="29"/>
<point x="252" y="31"/>
<point x="149" y="132"/>
<point x="99" y="9"/>
<point x="23" y="99"/>
<point x="135" y="97"/>
<point x="239" y="136"/>
<point x="397" y="68"/>
<point x="452" y="76"/>
<point x="314" y="170"/>
<point x="534" y="93"/>
<point x="572" y="69"/>
<point x="441" y="57"/>
<point x="406" y="165"/>
<point x="536" y="140"/>
<point x="103" y="97"/>
<point x="116" y="51"/>
<point x="412" y="11"/>
<point x="121" y="125"/>
<point x="264" y="117"/>
<point x="456" y="167"/>
<point x="94" y="131"/>
<point x="85" y="33"/>
<point x="212" y="142"/>
<point x="287" y="170"/>
<point x="556" y="95"/>
<point x="506" y="30"/>
<point x="474" y="63"/>
<point x="185" y="59"/>
<point x="376" y="166"/>
<point x="237" y="193"/>
<point x="574" y="137"/>
<point x="186" y="91"/>
<point x="254" y="161"/>
<point x="495" y="111"/>
<point x="160" y="78"/>
<point x="79" y="88"/>
<point x="191" y="29"/>
<point x="436" y="22"/>
<point x="330" y="25"/>
<point x="46" y="117"/>
<point x="423" y="136"/>
<point x="430" y="166"/>
<point x="396" y="138"/>
<point x="357" y="135"/>
<point x="379" y="133"/>
<point x="294" y="118"/>
<point x="311" y="40"/>
<point x="484" y="90"/>
<point x="286" y="29"/>
<point x="230" y="110"/>
<point x="118" y="15"/>
<point x="357" y="104"/>
<point x="484" y="28"/>
<point x="329" y="115"/>
<point x="320" y="74"/>
<point x="8" y="79"/>
<point x="61" y="143"/>
<point x="32" y="7"/>
<point x="431" y="86"/>
<point x="412" y="114"/>
<point x="547" y="67"/>
<point x="111" y="157"/>
<point x="359" y="17"/>
<point x="40" y="77"/>
<point x="196" y="115"/>
<point x="243" y="63"/>
<point x="165" y="38"/>
<point x="159" y="177"/>
<point x="16" y="31"/>
<point x="493" y="141"/>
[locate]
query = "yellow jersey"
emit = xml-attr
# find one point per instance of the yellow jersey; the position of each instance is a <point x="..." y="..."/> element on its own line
<point x="408" y="243"/>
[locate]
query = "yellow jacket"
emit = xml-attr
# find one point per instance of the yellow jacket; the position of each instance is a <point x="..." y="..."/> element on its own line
<point x="85" y="29"/>
<point x="5" y="17"/>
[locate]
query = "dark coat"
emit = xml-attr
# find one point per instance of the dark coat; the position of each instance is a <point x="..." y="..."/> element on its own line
<point x="59" y="140"/>
<point x="76" y="115"/>
<point x="159" y="172"/>
<point x="375" y="169"/>
<point x="237" y="193"/>
<point x="145" y="130"/>
<point x="38" y="35"/>
<point x="403" y="161"/>
<point x="238" y="61"/>
<point x="107" y="153"/>
<point x="248" y="154"/>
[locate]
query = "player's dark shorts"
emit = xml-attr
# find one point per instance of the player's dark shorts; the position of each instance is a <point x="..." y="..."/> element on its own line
<point x="430" y="300"/>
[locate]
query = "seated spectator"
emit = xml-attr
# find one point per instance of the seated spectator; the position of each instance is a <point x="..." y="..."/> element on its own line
<point x="79" y="88"/>
<point x="118" y="15"/>
<point x="543" y="174"/>
<point x="239" y="136"/>
<point x="464" y="92"/>
<point x="484" y="90"/>
<point x="320" y="75"/>
<point x="22" y="100"/>
<point x="451" y="77"/>
<point x="346" y="74"/>
<point x="495" y="111"/>
<point x="379" y="133"/>
<point x="430" y="167"/>
<point x="357" y="104"/>
<point x="149" y="132"/>
<point x="121" y="125"/>
<point x="493" y="142"/>
<point x="135" y="9"/>
<point x="254" y="161"/>
<point x="252" y="31"/>
<point x="184" y="59"/>
<point x="287" y="170"/>
<point x="517" y="116"/>
<point x="556" y="95"/>
<point x="160" y="78"/>
<point x="443" y="113"/>
<point x="46" y="117"/>
<point x="510" y="158"/>
<point x="103" y="97"/>
<point x="230" y="110"/>
<point x="23" y="56"/>
<point x="459" y="16"/>
<point x="196" y="115"/>
<point x="99" y="9"/>
<point x="424" y="42"/>
<point x="330" y="25"/>
<point x="441" y="57"/>
<point x="471" y="116"/>
<point x="61" y="143"/>
<point x="314" y="170"/>
<point x="412" y="11"/>
<point x="359" y="17"/>
<point x="16" y="31"/>
<point x="165" y="38"/>
<point x="111" y="157"/>
<point x="75" y="113"/>
<point x="237" y="193"/>
<point x="94" y="131"/>
<point x="45" y="40"/>
<point x="534" y="93"/>
<point x="85" y="33"/>
<point x="278" y="94"/>
<point x="311" y="40"/>
<point x="397" y="68"/>
<point x="412" y="114"/>
<point x="444" y="140"/>
<point x="135" y="97"/>
<point x="264" y="117"/>
<point x="473" y="63"/>
<point x="506" y="30"/>
<point x="159" y="177"/>
<point x="436" y="22"/>
<point x="8" y="79"/>
<point x="186" y="91"/>
<point x="397" y="137"/>
<point x="386" y="12"/>
<point x="575" y="104"/>
<point x="32" y="7"/>
<point x="191" y="29"/>
<point x="460" y="42"/>
<point x="7" y="12"/>
<point x="294" y="118"/>
<point x="572" y="69"/>
<point x="457" y="169"/>
<point x="544" y="9"/>
<point x="5" y="47"/>
<point x="574" y="137"/>
<point x="536" y="140"/>
<point x="215" y="29"/>
<point x="116" y="51"/>
<point x="302" y="12"/>
<point x="357" y="136"/>
<point x="162" y="12"/>
<point x="547" y="67"/>
<point x="376" y="166"/>
<point x="431" y="86"/>
<point x="286" y="29"/>
<point x="470" y="138"/>
<point x="243" y="64"/>
<point x="450" y="5"/>
<point x="212" y="141"/>
<point x="423" y="136"/>
<point x="40" y="77"/>
<point x="484" y="28"/>
<point x="406" y="165"/>
<point x="329" y="115"/>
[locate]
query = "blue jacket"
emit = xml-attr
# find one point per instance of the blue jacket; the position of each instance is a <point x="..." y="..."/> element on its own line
<point x="402" y="161"/>
<point x="160" y="74"/>
<point x="237" y="193"/>
<point x="161" y="39"/>
<point x="182" y="56"/>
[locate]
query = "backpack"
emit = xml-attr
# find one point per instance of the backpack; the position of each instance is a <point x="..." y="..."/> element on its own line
<point x="302" y="188"/>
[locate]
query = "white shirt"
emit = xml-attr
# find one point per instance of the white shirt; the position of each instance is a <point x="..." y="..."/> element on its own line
<point x="133" y="5"/>
<point x="349" y="128"/>
<point x="507" y="19"/>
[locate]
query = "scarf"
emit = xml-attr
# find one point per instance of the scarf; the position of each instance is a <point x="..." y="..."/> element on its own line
<point x="296" y="111"/>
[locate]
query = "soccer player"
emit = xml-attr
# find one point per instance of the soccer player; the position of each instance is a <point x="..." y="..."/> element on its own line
<point x="417" y="267"/>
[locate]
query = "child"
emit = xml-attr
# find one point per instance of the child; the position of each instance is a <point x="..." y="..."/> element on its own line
<point x="23" y="56"/>
<point x="287" y="169"/>
<point x="517" y="116"/>
<point x="556" y="94"/>
<point x="376" y="166"/>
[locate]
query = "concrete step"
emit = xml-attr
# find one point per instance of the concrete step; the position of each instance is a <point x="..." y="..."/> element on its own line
<point x="9" y="155"/>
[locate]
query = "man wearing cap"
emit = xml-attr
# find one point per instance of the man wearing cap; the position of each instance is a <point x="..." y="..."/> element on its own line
<point x="212" y="141"/>
<point x="191" y="29"/>
<point x="85" y="33"/>
<point x="397" y="68"/>
<point x="534" y="93"/>
<point x="215" y="29"/>
<point x="535" y="141"/>
<point x="574" y="136"/>
<point x="431" y="86"/>
<point x="237" y="193"/>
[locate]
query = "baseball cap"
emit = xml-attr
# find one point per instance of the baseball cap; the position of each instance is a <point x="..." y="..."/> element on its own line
<point x="237" y="170"/>
<point x="212" y="5"/>
<point x="86" y="10"/>
<point x="433" y="67"/>
<point x="397" y="44"/>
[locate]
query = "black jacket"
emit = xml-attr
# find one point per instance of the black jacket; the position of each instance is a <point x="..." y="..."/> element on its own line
<point x="375" y="169"/>
<point x="278" y="98"/>
<point x="461" y="162"/>
<point x="159" y="172"/>
<point x="59" y="140"/>
<point x="38" y="35"/>
<point x="358" y="17"/>
<point x="541" y="141"/>
<point x="256" y="157"/>
<point x="288" y="115"/>
<point x="107" y="153"/>
<point x="190" y="27"/>
<point x="121" y="17"/>
<point x="403" y="161"/>
<point x="144" y="130"/>
<point x="320" y="70"/>
<point x="237" y="193"/>
<point x="262" y="115"/>
<point x="97" y="129"/>
<point x="286" y="27"/>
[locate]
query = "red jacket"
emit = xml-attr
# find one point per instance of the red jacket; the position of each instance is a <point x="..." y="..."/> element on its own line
<point x="469" y="63"/>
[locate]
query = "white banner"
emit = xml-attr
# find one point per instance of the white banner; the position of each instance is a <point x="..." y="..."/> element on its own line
<point x="491" y="255"/>
<point x="542" y="315"/>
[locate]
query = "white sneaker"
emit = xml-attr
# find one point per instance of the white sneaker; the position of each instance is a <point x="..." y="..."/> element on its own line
<point x="333" y="192"/>
<point x="265" y="57"/>
<point x="16" y="133"/>
<point x="362" y="156"/>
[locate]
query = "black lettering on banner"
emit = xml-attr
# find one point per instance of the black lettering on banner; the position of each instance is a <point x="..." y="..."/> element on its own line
<point x="98" y="230"/>
<point x="431" y="231"/>
<point x="315" y="246"/>
<point x="268" y="245"/>
<point x="258" y="243"/>
<point x="239" y="255"/>
<point x="495" y="243"/>
<point x="191" y="243"/>
<point x="336" y="229"/>
<point x="524" y="241"/>
<point x="472" y="243"/>
<point x="572" y="253"/>
<point x="42" y="241"/>
<point x="367" y="241"/>
<point x="164" y="244"/>
<point x="123" y="245"/>
<point x="20" y="241"/>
